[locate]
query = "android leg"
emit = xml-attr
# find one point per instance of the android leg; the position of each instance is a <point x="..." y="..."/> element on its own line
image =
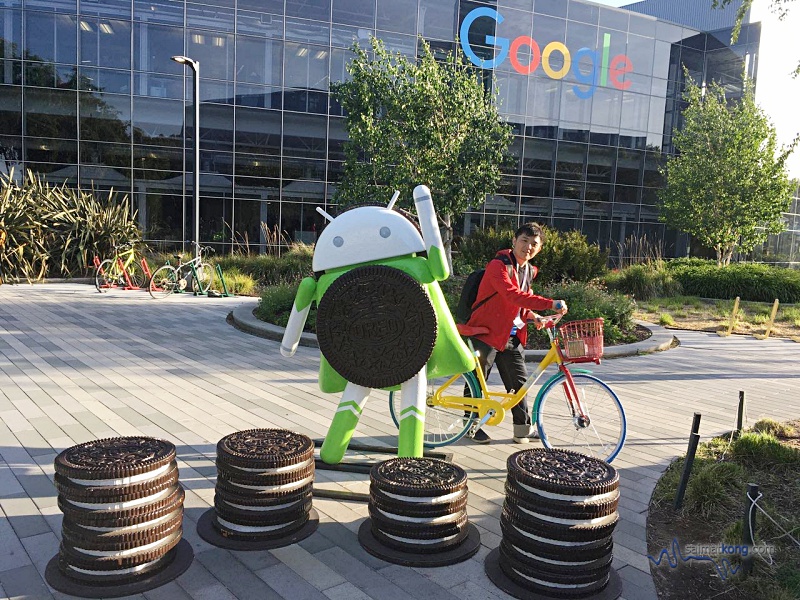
<point x="412" y="415"/>
<point x="344" y="423"/>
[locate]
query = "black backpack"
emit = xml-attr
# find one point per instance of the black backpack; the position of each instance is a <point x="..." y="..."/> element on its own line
<point x="466" y="302"/>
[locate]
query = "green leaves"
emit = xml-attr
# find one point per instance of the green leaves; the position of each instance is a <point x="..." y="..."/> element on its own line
<point x="428" y="121"/>
<point x="728" y="185"/>
<point x="58" y="230"/>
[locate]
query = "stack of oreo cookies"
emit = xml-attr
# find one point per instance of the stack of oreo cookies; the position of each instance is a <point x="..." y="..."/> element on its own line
<point x="418" y="507"/>
<point x="264" y="484"/>
<point x="123" y="509"/>
<point x="557" y="520"/>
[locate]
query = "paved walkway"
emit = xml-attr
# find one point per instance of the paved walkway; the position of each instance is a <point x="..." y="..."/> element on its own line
<point x="76" y="365"/>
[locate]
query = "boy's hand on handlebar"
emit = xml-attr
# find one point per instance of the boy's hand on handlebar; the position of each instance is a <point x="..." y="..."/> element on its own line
<point x="560" y="306"/>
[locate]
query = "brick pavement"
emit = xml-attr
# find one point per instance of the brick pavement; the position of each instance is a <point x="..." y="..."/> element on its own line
<point x="76" y="365"/>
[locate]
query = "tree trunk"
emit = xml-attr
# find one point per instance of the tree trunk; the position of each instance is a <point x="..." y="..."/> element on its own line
<point x="447" y="240"/>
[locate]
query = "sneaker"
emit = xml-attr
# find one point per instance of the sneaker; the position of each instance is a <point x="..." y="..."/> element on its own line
<point x="479" y="436"/>
<point x="521" y="440"/>
<point x="531" y="434"/>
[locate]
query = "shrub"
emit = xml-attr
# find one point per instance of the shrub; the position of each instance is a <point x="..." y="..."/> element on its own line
<point x="565" y="256"/>
<point x="268" y="270"/>
<point x="759" y="283"/>
<point x="237" y="282"/>
<point x="644" y="281"/>
<point x="276" y="303"/>
<point x="713" y="487"/>
<point x="665" y="319"/>
<point x="763" y="448"/>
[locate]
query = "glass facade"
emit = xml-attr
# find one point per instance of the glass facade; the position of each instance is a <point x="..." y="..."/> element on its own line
<point x="89" y="95"/>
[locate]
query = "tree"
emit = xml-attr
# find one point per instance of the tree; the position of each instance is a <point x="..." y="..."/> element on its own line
<point x="727" y="186"/>
<point x="424" y="122"/>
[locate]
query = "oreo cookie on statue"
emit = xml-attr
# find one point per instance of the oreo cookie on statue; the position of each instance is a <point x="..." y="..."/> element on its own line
<point x="123" y="513"/>
<point x="263" y="495"/>
<point x="418" y="513"/>
<point x="376" y="326"/>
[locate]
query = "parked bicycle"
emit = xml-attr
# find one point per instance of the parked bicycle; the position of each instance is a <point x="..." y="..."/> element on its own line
<point x="195" y="273"/>
<point x="573" y="410"/>
<point x="122" y="270"/>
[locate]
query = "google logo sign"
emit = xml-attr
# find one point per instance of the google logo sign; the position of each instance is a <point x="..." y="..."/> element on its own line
<point x="602" y="70"/>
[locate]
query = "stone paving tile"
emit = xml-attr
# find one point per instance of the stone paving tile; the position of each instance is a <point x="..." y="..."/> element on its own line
<point x="24" y="582"/>
<point x="71" y="369"/>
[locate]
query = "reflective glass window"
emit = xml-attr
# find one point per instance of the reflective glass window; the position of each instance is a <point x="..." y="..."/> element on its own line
<point x="303" y="168"/>
<point x="337" y="136"/>
<point x="167" y="12"/>
<point x="585" y="13"/>
<point x="624" y="193"/>
<point x="258" y="96"/>
<point x="642" y="25"/>
<point x="600" y="165"/>
<point x="215" y="18"/>
<point x="549" y="29"/>
<point x="629" y="167"/>
<point x="396" y="42"/>
<point x="668" y="32"/>
<point x="216" y="127"/>
<point x="51" y="37"/>
<point x="606" y="110"/>
<point x="304" y="135"/>
<point x="105" y="42"/>
<point x="345" y="36"/>
<point x="159" y="121"/>
<point x="613" y="19"/>
<point x="581" y="35"/>
<point x="211" y="90"/>
<point x="652" y="176"/>
<point x="259" y="61"/>
<point x="40" y="74"/>
<point x="310" y="9"/>
<point x="635" y="111"/>
<point x="214" y="51"/>
<point x="555" y="8"/>
<point x="270" y="6"/>
<point x="570" y="159"/>
<point x="574" y="108"/>
<point x="306" y="66"/>
<point x="53" y="151"/>
<point x="536" y="186"/>
<point x="640" y="51"/>
<point x="537" y="158"/>
<point x="437" y="19"/>
<point x="598" y="200"/>
<point x="158" y="86"/>
<point x="11" y="110"/>
<point x="339" y="61"/>
<point x="546" y="95"/>
<point x="62" y="6"/>
<point x="163" y="158"/>
<point x="661" y="55"/>
<point x="10" y="33"/>
<point x="104" y="117"/>
<point x="111" y="155"/>
<point x="512" y="93"/>
<point x="571" y="189"/>
<point x="153" y="47"/>
<point x="51" y="113"/>
<point x="625" y="212"/>
<point x="303" y="30"/>
<point x="257" y="170"/>
<point x="261" y="24"/>
<point x="655" y="122"/>
<point x="354" y="12"/>
<point x="118" y="9"/>
<point x="105" y="80"/>
<point x="515" y="24"/>
<point x="397" y="15"/>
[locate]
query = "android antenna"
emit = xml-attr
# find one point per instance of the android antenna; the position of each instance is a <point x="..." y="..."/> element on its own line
<point x="324" y="214"/>
<point x="395" y="196"/>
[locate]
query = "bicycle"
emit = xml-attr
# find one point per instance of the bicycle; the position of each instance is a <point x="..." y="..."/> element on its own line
<point x="573" y="410"/>
<point x="123" y="270"/>
<point x="170" y="279"/>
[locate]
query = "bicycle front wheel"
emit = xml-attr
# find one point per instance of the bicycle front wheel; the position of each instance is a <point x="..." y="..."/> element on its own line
<point x="443" y="425"/>
<point x="107" y="275"/>
<point x="601" y="434"/>
<point x="163" y="282"/>
<point x="204" y="279"/>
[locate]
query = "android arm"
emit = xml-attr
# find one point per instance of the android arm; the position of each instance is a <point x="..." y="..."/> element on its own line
<point x="298" y="316"/>
<point x="437" y="262"/>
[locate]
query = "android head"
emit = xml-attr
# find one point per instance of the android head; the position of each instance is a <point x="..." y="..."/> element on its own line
<point x="363" y="234"/>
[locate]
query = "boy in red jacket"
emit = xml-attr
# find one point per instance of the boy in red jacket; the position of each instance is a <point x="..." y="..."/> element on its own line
<point x="503" y="306"/>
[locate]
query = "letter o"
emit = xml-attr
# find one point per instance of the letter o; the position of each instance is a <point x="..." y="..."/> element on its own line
<point x="548" y="50"/>
<point x="525" y="40"/>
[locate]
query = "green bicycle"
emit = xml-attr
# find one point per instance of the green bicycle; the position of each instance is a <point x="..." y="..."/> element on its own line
<point x="122" y="270"/>
<point x="171" y="279"/>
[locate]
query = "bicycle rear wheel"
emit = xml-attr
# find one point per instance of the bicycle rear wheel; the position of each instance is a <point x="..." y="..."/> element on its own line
<point x="163" y="282"/>
<point x="136" y="275"/>
<point x="204" y="279"/>
<point x="602" y="436"/>
<point x="443" y="425"/>
<point x="106" y="276"/>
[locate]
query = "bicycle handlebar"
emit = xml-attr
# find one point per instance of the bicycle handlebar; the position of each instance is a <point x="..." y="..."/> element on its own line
<point x="548" y="322"/>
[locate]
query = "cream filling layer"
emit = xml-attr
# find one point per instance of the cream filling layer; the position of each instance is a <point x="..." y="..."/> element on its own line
<point x="249" y="528"/>
<point x="137" y="526"/>
<point x="115" y="572"/>
<point x="608" y="496"/>
<point x="426" y="520"/>
<point x="426" y="499"/>
<point x="262" y="508"/>
<point x="124" y="480"/>
<point x="550" y="560"/>
<point x="124" y="505"/>
<point x="567" y="586"/>
<point x="419" y="542"/>
<point x="286" y="487"/>
<point x="549" y="540"/>
<point x="588" y="522"/>
<point x="131" y="551"/>
<point x="285" y="469"/>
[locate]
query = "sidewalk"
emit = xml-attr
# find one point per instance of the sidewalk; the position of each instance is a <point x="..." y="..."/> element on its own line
<point x="76" y="365"/>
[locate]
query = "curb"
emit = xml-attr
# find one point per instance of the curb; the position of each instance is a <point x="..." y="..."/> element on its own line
<point x="661" y="339"/>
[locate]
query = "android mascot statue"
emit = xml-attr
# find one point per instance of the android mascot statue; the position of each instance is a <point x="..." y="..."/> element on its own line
<point x="382" y="320"/>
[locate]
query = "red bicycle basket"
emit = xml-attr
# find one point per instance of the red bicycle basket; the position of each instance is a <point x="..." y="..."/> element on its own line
<point x="582" y="341"/>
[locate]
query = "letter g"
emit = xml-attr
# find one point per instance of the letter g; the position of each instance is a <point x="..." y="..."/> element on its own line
<point x="499" y="42"/>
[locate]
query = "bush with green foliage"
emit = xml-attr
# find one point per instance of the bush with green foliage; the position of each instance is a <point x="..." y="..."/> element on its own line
<point x="58" y="230"/>
<point x="756" y="282"/>
<point x="238" y="283"/>
<point x="276" y="304"/>
<point x="267" y="269"/>
<point x="644" y="281"/>
<point x="564" y="257"/>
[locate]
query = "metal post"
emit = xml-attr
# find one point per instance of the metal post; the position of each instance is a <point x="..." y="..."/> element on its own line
<point x="749" y="528"/>
<point x="694" y="438"/>
<point x="740" y="414"/>
<point x="195" y="66"/>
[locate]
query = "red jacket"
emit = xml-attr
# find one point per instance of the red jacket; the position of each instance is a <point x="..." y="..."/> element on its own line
<point x="498" y="313"/>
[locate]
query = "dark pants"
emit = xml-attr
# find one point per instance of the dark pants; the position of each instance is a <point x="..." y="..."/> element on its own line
<point x="511" y="366"/>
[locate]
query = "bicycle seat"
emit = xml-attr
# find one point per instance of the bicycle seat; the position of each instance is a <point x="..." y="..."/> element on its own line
<point x="468" y="331"/>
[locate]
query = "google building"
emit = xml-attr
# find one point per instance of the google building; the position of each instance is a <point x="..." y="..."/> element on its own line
<point x="89" y="95"/>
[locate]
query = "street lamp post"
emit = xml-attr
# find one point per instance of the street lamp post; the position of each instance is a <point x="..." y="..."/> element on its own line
<point x="195" y="65"/>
